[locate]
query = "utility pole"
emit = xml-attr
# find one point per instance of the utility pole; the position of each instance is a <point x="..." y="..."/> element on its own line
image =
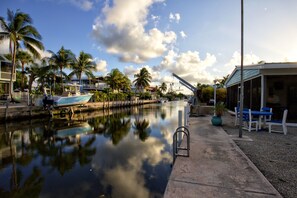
<point x="241" y="76"/>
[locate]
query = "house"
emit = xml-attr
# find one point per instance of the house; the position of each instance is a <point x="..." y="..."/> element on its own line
<point x="5" y="73"/>
<point x="265" y="85"/>
<point x="96" y="84"/>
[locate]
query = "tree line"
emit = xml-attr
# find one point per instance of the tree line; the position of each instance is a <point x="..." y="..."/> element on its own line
<point x="24" y="49"/>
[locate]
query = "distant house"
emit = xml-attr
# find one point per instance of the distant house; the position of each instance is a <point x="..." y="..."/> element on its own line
<point x="268" y="84"/>
<point x="96" y="84"/>
<point x="5" y="73"/>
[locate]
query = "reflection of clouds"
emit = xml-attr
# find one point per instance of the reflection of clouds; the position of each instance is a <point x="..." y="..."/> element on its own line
<point x="122" y="165"/>
<point x="167" y="135"/>
<point x="126" y="183"/>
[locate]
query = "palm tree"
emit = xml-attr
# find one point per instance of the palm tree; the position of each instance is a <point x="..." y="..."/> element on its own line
<point x="62" y="59"/>
<point x="143" y="79"/>
<point x="24" y="58"/>
<point x="114" y="79"/>
<point x="163" y="87"/>
<point x="83" y="64"/>
<point x="34" y="72"/>
<point x="18" y="30"/>
<point x="125" y="83"/>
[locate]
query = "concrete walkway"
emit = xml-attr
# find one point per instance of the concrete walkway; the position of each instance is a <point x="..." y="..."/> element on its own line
<point x="216" y="167"/>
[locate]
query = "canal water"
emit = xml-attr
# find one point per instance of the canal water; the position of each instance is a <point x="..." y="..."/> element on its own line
<point x="116" y="153"/>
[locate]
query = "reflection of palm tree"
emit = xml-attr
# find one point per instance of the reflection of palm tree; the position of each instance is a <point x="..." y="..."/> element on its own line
<point x="84" y="152"/>
<point x="31" y="187"/>
<point x="163" y="114"/>
<point x="118" y="128"/>
<point x="141" y="129"/>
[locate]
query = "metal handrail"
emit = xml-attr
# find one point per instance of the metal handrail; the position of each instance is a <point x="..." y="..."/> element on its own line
<point x="176" y="145"/>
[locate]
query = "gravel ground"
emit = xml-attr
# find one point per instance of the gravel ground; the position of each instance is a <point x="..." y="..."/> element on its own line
<point x="274" y="154"/>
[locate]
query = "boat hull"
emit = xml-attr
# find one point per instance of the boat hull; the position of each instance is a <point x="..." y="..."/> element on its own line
<point x="71" y="100"/>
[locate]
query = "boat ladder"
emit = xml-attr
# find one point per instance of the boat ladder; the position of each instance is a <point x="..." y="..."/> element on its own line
<point x="178" y="135"/>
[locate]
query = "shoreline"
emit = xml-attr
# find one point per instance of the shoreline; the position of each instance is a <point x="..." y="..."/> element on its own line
<point x="21" y="111"/>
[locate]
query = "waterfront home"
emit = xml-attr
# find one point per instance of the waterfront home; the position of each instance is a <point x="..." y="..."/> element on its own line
<point x="96" y="84"/>
<point x="5" y="73"/>
<point x="265" y="85"/>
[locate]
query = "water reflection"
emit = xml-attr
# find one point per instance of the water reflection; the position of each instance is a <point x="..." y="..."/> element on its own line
<point x="141" y="129"/>
<point x="117" y="154"/>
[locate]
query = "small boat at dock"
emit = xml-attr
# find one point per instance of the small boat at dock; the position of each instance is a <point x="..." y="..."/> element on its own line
<point x="70" y="97"/>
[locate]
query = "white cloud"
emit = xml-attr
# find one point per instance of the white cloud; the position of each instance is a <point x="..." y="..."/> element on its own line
<point x="130" y="71"/>
<point x="155" y="19"/>
<point x="189" y="66"/>
<point x="123" y="165"/>
<point x="174" y="17"/>
<point x="101" y="65"/>
<point x="83" y="4"/>
<point x="182" y="34"/>
<point x="236" y="58"/>
<point x="122" y="31"/>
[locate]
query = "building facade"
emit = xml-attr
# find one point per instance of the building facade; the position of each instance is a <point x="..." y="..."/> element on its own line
<point x="265" y="85"/>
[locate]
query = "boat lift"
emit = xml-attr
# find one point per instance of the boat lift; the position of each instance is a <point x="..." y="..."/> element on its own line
<point x="190" y="87"/>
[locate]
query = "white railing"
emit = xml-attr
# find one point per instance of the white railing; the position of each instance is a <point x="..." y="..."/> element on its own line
<point x="6" y="76"/>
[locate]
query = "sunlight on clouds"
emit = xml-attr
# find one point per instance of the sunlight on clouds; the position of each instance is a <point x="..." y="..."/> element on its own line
<point x="189" y="66"/>
<point x="248" y="59"/>
<point x="123" y="171"/>
<point x="101" y="65"/>
<point x="122" y="31"/>
<point x="130" y="71"/>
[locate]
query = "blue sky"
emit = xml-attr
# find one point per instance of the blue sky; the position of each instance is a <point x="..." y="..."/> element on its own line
<point x="196" y="39"/>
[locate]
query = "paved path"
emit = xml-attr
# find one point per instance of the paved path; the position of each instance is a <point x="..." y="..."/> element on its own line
<point x="216" y="167"/>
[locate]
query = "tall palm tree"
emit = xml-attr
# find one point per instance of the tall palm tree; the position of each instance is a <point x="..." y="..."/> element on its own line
<point x="163" y="87"/>
<point x="19" y="30"/>
<point x="24" y="58"/>
<point x="114" y="79"/>
<point x="125" y="83"/>
<point x="62" y="59"/>
<point x="83" y="64"/>
<point x="142" y="79"/>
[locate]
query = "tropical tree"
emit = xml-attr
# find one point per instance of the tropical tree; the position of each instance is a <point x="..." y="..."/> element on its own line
<point x="142" y="79"/>
<point x="19" y="31"/>
<point x="83" y="64"/>
<point x="34" y="72"/>
<point x="62" y="59"/>
<point x="163" y="87"/>
<point x="114" y="79"/>
<point x="24" y="58"/>
<point x="125" y="83"/>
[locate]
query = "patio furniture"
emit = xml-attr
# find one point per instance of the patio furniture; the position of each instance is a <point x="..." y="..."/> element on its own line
<point x="267" y="109"/>
<point x="237" y="115"/>
<point x="252" y="124"/>
<point x="259" y="115"/>
<point x="281" y="123"/>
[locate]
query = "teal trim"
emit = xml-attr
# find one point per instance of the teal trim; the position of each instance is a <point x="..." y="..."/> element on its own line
<point x="247" y="74"/>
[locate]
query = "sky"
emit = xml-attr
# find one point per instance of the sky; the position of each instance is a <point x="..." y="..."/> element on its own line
<point x="196" y="39"/>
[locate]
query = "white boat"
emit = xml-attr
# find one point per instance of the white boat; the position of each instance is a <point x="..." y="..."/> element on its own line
<point x="73" y="130"/>
<point x="70" y="97"/>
